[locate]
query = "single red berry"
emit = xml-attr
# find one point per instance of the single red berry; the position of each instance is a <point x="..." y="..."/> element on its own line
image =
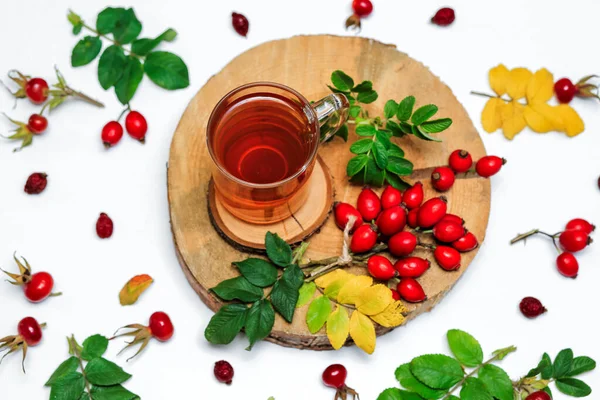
<point x="342" y="213"/>
<point x="539" y="395"/>
<point x="112" y="133"/>
<point x="391" y="221"/>
<point x="567" y="265"/>
<point x="444" y="17"/>
<point x="104" y="226"/>
<point x="362" y="8"/>
<point x="453" y="218"/>
<point x="442" y="179"/>
<point x="448" y="232"/>
<point x="532" y="307"/>
<point x="223" y="372"/>
<point x="36" y="183"/>
<point x="460" y="161"/>
<point x="411" y="290"/>
<point x="402" y="244"/>
<point x="368" y="204"/>
<point x="390" y="197"/>
<point x="447" y="257"/>
<point x="412" y="218"/>
<point x="39" y="287"/>
<point x="579" y="224"/>
<point x="395" y="294"/>
<point x="431" y="212"/>
<point x="335" y="376"/>
<point x="489" y="165"/>
<point x="161" y="326"/>
<point x="240" y="24"/>
<point x="37" y="123"/>
<point x="411" y="267"/>
<point x="573" y="240"/>
<point x="36" y="90"/>
<point x="565" y="90"/>
<point x="380" y="268"/>
<point x="136" y="126"/>
<point x="30" y="330"/>
<point x="363" y="240"/>
<point x="413" y="196"/>
<point x="466" y="243"/>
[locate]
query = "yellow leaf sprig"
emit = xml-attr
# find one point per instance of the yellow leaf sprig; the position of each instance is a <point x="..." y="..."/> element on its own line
<point x="512" y="116"/>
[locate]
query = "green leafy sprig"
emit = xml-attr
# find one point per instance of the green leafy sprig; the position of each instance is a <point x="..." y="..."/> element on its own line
<point x="123" y="67"/>
<point x="377" y="159"/>
<point x="98" y="379"/>
<point x="467" y="376"/>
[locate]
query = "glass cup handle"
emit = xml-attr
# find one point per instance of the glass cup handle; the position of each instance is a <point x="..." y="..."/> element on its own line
<point x="332" y="113"/>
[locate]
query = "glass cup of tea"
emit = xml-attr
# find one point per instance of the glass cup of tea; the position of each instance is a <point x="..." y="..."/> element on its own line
<point x="263" y="138"/>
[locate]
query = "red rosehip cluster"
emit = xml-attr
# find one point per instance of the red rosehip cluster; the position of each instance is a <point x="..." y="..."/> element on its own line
<point x="136" y="126"/>
<point x="460" y="161"/>
<point x="566" y="90"/>
<point x="335" y="376"/>
<point x="361" y="9"/>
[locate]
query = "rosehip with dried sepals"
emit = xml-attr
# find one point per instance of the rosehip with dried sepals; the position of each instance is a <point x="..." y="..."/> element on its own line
<point x="36" y="287"/>
<point x="29" y="335"/>
<point x="412" y="218"/>
<point x="363" y="240"/>
<point x="489" y="165"/>
<point x="36" y="183"/>
<point x="448" y="258"/>
<point x="460" y="161"/>
<point x="37" y="123"/>
<point x="335" y="376"/>
<point x="432" y="212"/>
<point x="391" y="221"/>
<point x="565" y="90"/>
<point x="579" y="224"/>
<point x="442" y="179"/>
<point x="342" y="213"/>
<point x="567" y="265"/>
<point x="466" y="243"/>
<point x="223" y="372"/>
<point x="410" y="290"/>
<point x="448" y="231"/>
<point x="453" y="218"/>
<point x="390" y="197"/>
<point x="532" y="307"/>
<point x="240" y="24"/>
<point x="539" y="395"/>
<point x="402" y="244"/>
<point x="411" y="267"/>
<point x="37" y="90"/>
<point x="362" y="8"/>
<point x="112" y="133"/>
<point x="395" y="294"/>
<point x="159" y="327"/>
<point x="413" y="196"/>
<point x="136" y="126"/>
<point x="104" y="226"/>
<point x="574" y="240"/>
<point x="380" y="268"/>
<point x="443" y="17"/>
<point x="368" y="204"/>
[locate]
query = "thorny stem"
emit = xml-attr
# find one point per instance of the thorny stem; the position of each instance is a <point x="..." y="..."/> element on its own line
<point x="72" y="92"/>
<point x="524" y="236"/>
<point x="77" y="353"/>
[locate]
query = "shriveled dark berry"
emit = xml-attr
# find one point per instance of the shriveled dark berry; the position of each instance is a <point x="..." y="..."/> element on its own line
<point x="444" y="17"/>
<point x="36" y="183"/>
<point x="104" y="226"/>
<point x="223" y="372"/>
<point x="240" y="24"/>
<point x="532" y="307"/>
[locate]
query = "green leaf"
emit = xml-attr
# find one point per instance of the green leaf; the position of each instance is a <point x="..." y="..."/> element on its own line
<point x="278" y="250"/>
<point x="107" y="19"/>
<point x="294" y="276"/>
<point x="423" y="135"/>
<point x="390" y="394"/>
<point x="367" y="97"/>
<point x="259" y="321"/>
<point x="544" y="364"/>
<point x="562" y="363"/>
<point x="405" y="108"/>
<point x="115" y="392"/>
<point x="77" y="29"/>
<point x="395" y="151"/>
<point x="366" y="130"/>
<point x="497" y="382"/>
<point x="142" y="47"/>
<point x="465" y="348"/>
<point x="167" y="70"/>
<point x="436" y="126"/>
<point x="573" y="387"/>
<point x="226" y="324"/>
<point x="286" y="292"/>
<point x="85" y="51"/>
<point x="437" y="371"/>
<point x="342" y="81"/>
<point x="238" y="288"/>
<point x="257" y="271"/>
<point x="399" y="166"/>
<point x="502" y="353"/>
<point x="548" y="369"/>
<point x="307" y="291"/>
<point x="127" y="85"/>
<point x="346" y="93"/>
<point x="390" y="109"/>
<point x="93" y="347"/>
<point x="580" y="365"/>
<point x="111" y="65"/>
<point x="343" y="132"/>
<point x="69" y="387"/>
<point x="361" y="146"/>
<point x="86" y="396"/>
<point x="383" y="138"/>
<point x="354" y="111"/>
<point x="102" y="372"/>
<point x="373" y="174"/>
<point x="127" y="27"/>
<point x="380" y="154"/>
<point x="317" y="314"/>
<point x="396" y="181"/>
<point x="364" y="86"/>
<point x="549" y="391"/>
<point x="68" y="366"/>
<point x="394" y="128"/>
<point x="74" y="19"/>
<point x="423" y="114"/>
<point x="474" y="389"/>
<point x="408" y="381"/>
<point x="406" y="128"/>
<point x="356" y="164"/>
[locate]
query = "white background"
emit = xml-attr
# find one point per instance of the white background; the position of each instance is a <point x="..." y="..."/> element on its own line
<point x="548" y="180"/>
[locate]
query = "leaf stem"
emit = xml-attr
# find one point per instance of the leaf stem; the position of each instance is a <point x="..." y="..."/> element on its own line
<point x="346" y="306"/>
<point x="75" y="346"/>
<point x="72" y="92"/>
<point x="469" y="375"/>
<point x="94" y="31"/>
<point x="524" y="236"/>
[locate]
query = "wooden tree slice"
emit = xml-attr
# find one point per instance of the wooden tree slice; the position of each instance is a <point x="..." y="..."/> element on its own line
<point x="305" y="63"/>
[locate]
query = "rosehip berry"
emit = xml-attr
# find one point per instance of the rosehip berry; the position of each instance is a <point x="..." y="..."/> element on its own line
<point x="390" y="197"/>
<point x="342" y="212"/>
<point x="453" y="218"/>
<point x="240" y="24"/>
<point x="411" y="267"/>
<point x="112" y="133"/>
<point x="136" y="126"/>
<point x="411" y="290"/>
<point x="402" y="244"/>
<point x="489" y="165"/>
<point x="391" y="221"/>
<point x="368" y="204"/>
<point x="335" y="376"/>
<point x="36" y="90"/>
<point x="104" y="226"/>
<point x="460" y="161"/>
<point x="447" y="257"/>
<point x="539" y="395"/>
<point x="466" y="243"/>
<point x="412" y="218"/>
<point x="36" y="183"/>
<point x="39" y="287"/>
<point x="579" y="224"/>
<point x="381" y="268"/>
<point x="37" y="124"/>
<point x="567" y="265"/>
<point x="223" y="372"/>
<point x="573" y="241"/>
<point x="532" y="307"/>
<point x="565" y="90"/>
<point x="160" y="326"/>
<point x="362" y="8"/>
<point x="363" y="240"/>
<point x="30" y="330"/>
<point x="431" y="212"/>
<point x="395" y="294"/>
<point x="442" y="179"/>
<point x="413" y="196"/>
<point x="444" y="17"/>
<point x="448" y="232"/>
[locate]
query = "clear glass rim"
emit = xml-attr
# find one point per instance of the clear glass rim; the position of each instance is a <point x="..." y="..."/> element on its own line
<point x="306" y="107"/>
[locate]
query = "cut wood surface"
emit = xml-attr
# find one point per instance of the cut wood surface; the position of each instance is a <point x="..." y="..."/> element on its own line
<point x="305" y="63"/>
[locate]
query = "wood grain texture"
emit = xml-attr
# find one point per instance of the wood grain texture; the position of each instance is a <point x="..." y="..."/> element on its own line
<point x="305" y="63"/>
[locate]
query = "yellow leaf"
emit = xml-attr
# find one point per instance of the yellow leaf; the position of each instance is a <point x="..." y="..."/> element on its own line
<point x="134" y="289"/>
<point x="542" y="118"/>
<point x="391" y="316"/>
<point x="327" y="279"/>
<point x="572" y="122"/>
<point x="513" y="121"/>
<point x="338" y="327"/>
<point x="362" y="332"/>
<point x="374" y="300"/>
<point x="334" y="288"/>
<point x="491" y="117"/>
<point x="516" y="87"/>
<point x="541" y="87"/>
<point x="498" y="79"/>
<point x="353" y="288"/>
